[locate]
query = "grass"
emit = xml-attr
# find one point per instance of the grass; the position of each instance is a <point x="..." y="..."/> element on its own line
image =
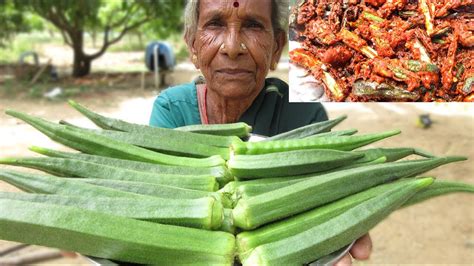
<point x="26" y="42"/>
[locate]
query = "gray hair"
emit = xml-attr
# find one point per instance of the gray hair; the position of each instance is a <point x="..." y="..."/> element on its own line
<point x="280" y="15"/>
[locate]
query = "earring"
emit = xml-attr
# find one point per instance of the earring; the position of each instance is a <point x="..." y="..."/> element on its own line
<point x="243" y="46"/>
<point x="274" y="66"/>
<point x="222" y="47"/>
<point x="194" y="58"/>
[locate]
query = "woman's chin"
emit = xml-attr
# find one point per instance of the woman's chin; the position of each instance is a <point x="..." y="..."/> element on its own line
<point x="237" y="91"/>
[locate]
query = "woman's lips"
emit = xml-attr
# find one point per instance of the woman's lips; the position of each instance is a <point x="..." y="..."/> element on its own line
<point x="234" y="71"/>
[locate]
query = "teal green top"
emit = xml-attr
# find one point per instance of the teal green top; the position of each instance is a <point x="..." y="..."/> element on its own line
<point x="270" y="113"/>
<point x="175" y="107"/>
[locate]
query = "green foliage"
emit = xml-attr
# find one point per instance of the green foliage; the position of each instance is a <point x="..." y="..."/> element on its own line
<point x="11" y="21"/>
<point x="111" y="20"/>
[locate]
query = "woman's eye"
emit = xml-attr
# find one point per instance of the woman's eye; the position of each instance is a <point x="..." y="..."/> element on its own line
<point x="214" y="23"/>
<point x="253" y="24"/>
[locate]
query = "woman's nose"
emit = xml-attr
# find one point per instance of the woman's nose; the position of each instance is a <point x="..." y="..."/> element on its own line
<point x="233" y="46"/>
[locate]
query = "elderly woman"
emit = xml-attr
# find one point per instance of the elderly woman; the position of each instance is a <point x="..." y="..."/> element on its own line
<point x="234" y="43"/>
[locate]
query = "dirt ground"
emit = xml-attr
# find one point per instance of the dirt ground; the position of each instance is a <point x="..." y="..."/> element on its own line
<point x="439" y="231"/>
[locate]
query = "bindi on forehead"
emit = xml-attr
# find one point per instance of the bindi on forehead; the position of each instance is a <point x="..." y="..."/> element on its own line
<point x="236" y="4"/>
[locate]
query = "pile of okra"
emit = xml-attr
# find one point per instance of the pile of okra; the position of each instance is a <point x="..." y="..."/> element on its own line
<point x="206" y="194"/>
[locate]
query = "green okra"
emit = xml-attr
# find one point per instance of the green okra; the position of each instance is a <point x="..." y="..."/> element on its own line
<point x="343" y="143"/>
<point x="468" y="85"/>
<point x="160" y="133"/>
<point x="77" y="168"/>
<point x="48" y="184"/>
<point x="221" y="172"/>
<point x="308" y="130"/>
<point x="417" y="66"/>
<point x="392" y="154"/>
<point x="239" y="129"/>
<point x="287" y="163"/>
<point x="329" y="236"/>
<point x="112" y="237"/>
<point x="439" y="188"/>
<point x="169" y="146"/>
<point x="248" y="240"/>
<point x="155" y="190"/>
<point x="205" y="213"/>
<point x="382" y="91"/>
<point x="252" y="212"/>
<point x="348" y="132"/>
<point x="250" y="188"/>
<point x="88" y="142"/>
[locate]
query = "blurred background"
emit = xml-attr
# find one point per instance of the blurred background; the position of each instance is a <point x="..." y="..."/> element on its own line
<point x="57" y="49"/>
<point x="102" y="54"/>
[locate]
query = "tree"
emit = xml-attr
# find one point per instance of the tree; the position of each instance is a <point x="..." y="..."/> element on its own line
<point x="11" y="21"/>
<point x="114" y="18"/>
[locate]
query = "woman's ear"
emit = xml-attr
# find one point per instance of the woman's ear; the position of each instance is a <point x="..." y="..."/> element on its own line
<point x="192" y="51"/>
<point x="280" y="44"/>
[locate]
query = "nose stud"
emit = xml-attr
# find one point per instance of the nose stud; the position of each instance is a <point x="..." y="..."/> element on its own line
<point x="243" y="47"/>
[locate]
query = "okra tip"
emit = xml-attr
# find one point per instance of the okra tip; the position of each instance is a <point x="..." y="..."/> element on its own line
<point x="452" y="159"/>
<point x="37" y="149"/>
<point x="425" y="181"/>
<point x="71" y="102"/>
<point x="393" y="132"/>
<point x="341" y="118"/>
<point x="13" y="113"/>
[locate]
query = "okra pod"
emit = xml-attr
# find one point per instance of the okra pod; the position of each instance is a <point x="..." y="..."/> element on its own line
<point x="160" y="133"/>
<point x="439" y="188"/>
<point x="343" y="143"/>
<point x="335" y="233"/>
<point x="375" y="91"/>
<point x="48" y="184"/>
<point x="155" y="190"/>
<point x="287" y="163"/>
<point x="267" y="207"/>
<point x="71" y="167"/>
<point x="205" y="213"/>
<point x="246" y="189"/>
<point x="392" y="154"/>
<point x="467" y="88"/>
<point x="112" y="237"/>
<point x="88" y="142"/>
<point x="417" y="66"/>
<point x="221" y="172"/>
<point x="169" y="146"/>
<point x="308" y="130"/>
<point x="248" y="240"/>
<point x="339" y="133"/>
<point x="240" y="129"/>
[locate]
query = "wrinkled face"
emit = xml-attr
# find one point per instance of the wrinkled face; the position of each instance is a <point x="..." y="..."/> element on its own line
<point x="235" y="45"/>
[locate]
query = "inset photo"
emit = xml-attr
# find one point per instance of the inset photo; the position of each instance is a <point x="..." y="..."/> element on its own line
<point x="384" y="51"/>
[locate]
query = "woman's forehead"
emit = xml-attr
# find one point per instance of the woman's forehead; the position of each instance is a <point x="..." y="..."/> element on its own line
<point x="260" y="9"/>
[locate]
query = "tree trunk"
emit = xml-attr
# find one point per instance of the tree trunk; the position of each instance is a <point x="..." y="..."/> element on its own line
<point x="82" y="63"/>
<point x="81" y="66"/>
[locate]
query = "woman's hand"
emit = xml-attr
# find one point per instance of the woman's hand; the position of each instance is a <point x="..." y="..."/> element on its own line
<point x="360" y="250"/>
